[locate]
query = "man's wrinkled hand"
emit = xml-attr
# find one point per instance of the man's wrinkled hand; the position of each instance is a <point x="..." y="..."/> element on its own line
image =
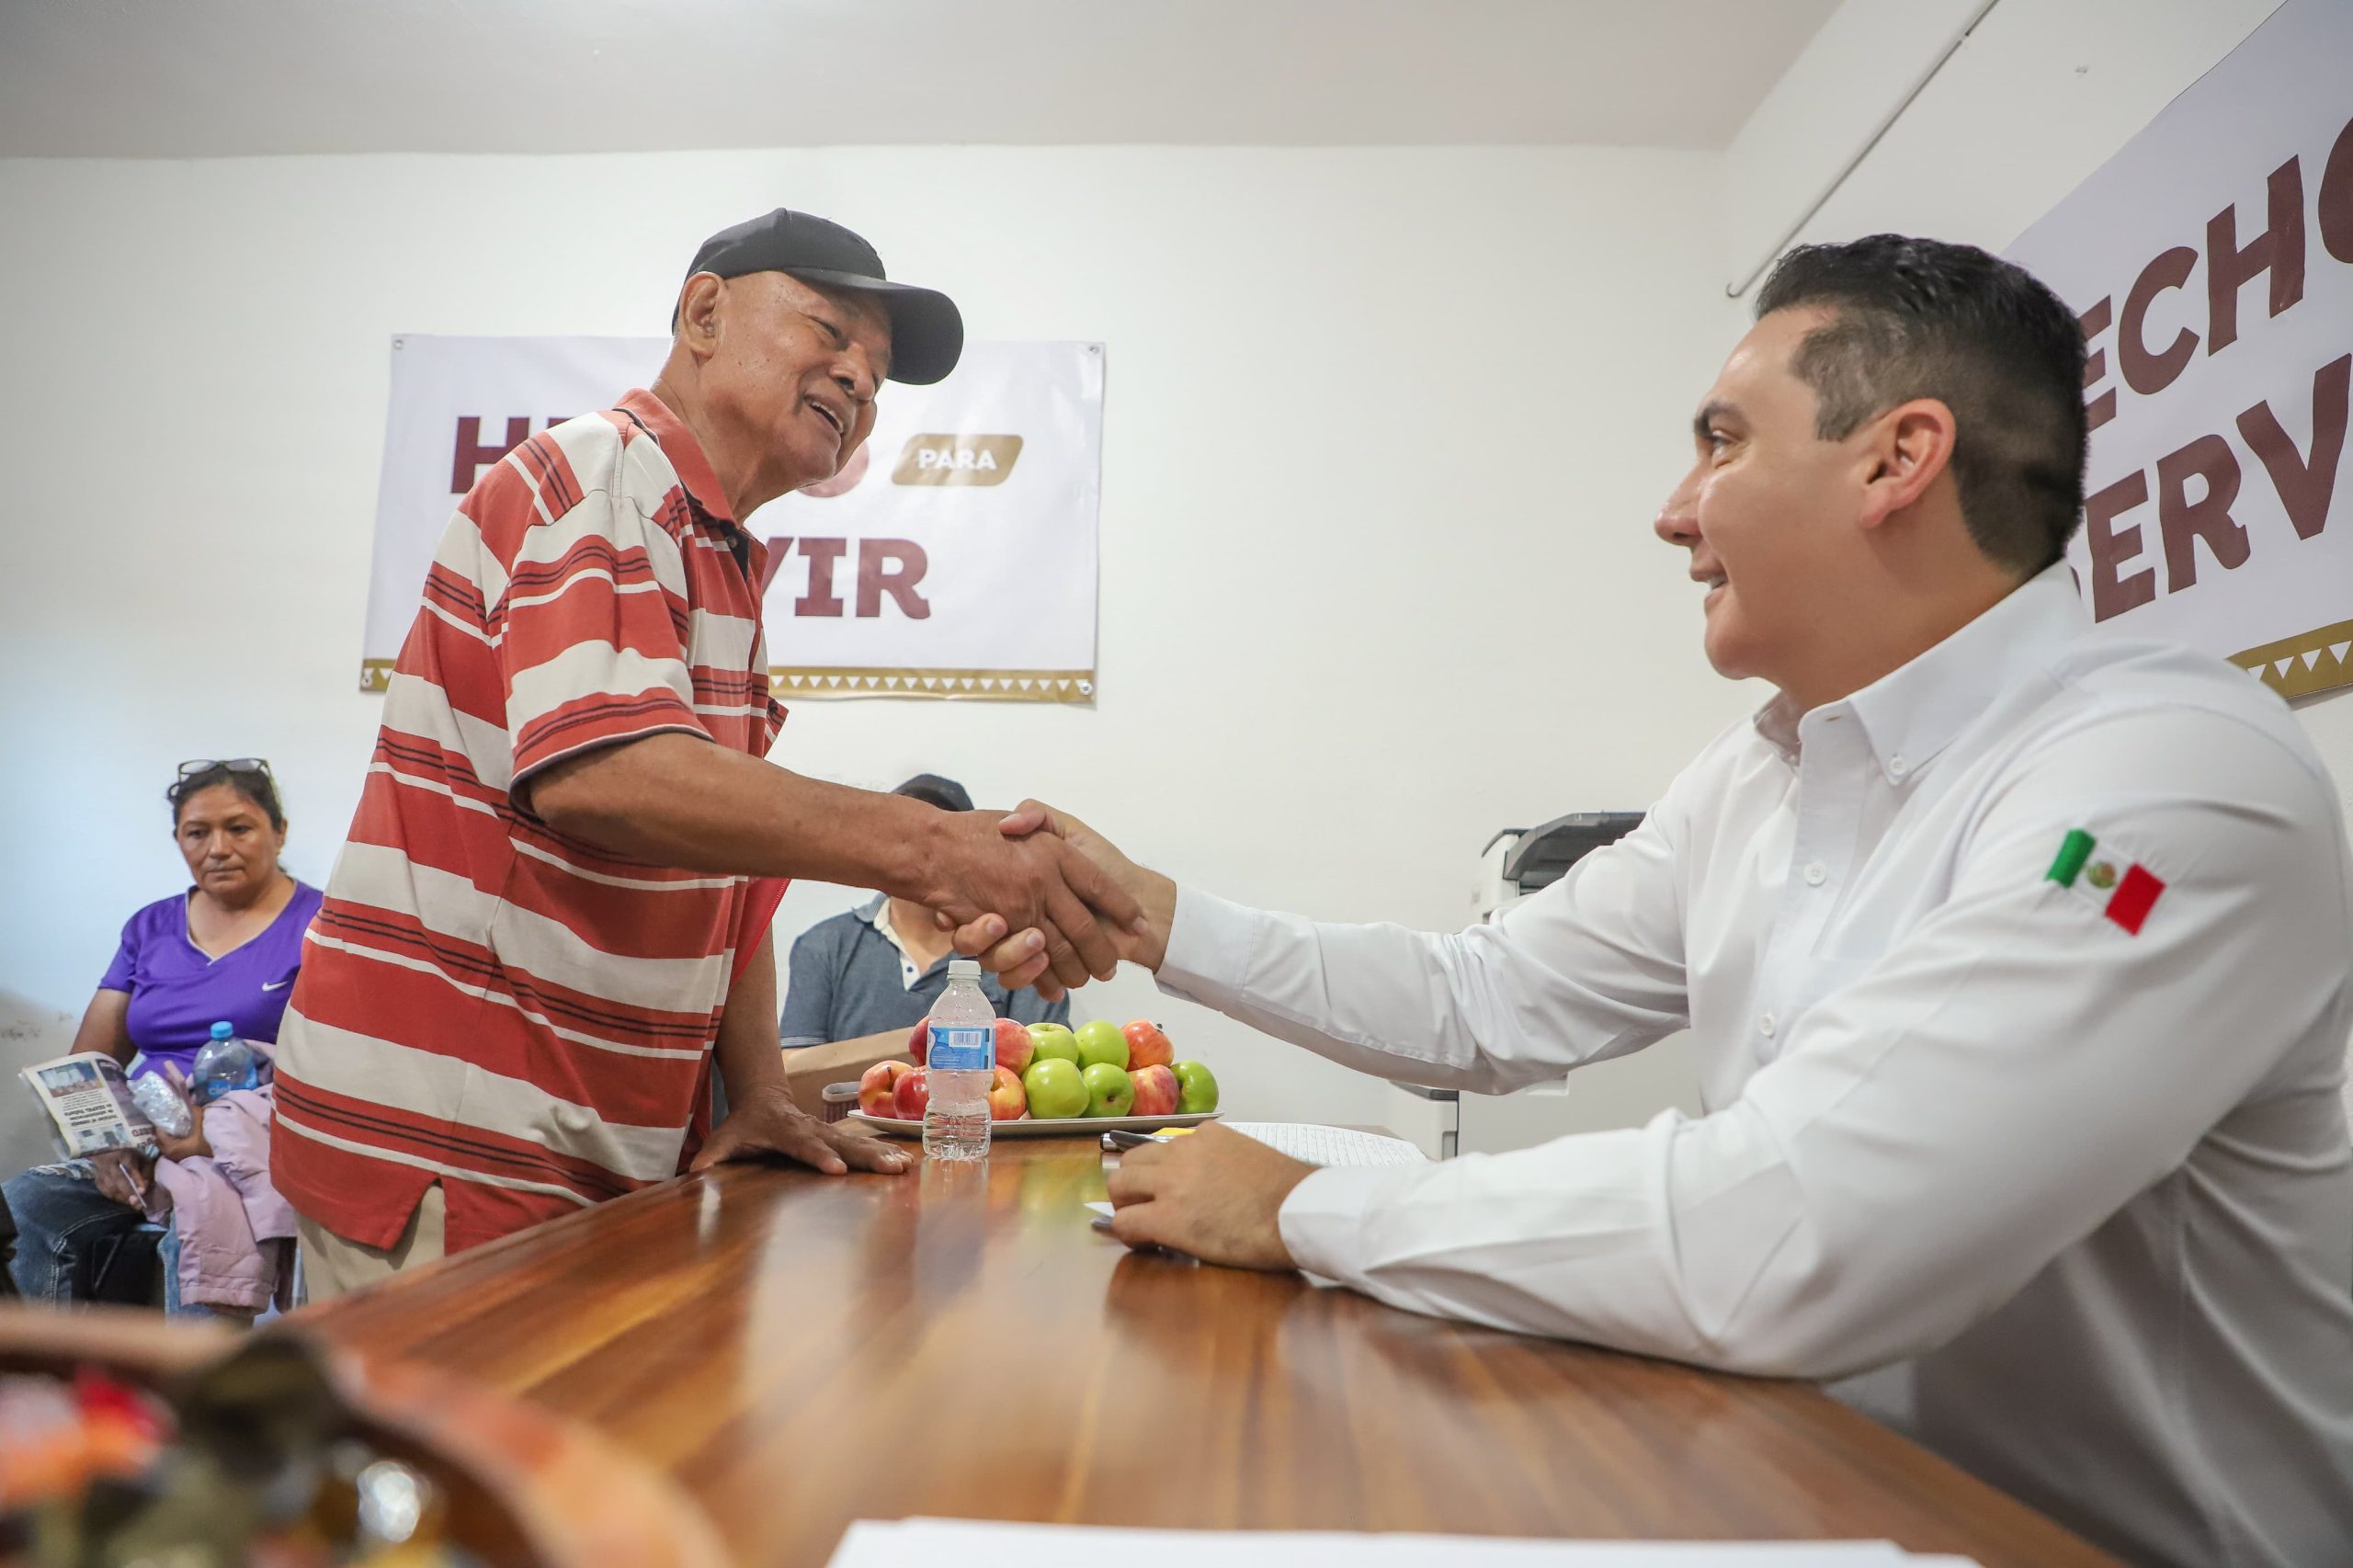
<point x="1215" y="1195"/>
<point x="115" y="1171"/>
<point x="772" y="1125"/>
<point x="991" y="880"/>
<point x="1020" y="957"/>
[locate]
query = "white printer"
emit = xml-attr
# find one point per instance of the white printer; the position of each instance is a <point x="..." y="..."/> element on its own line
<point x="1516" y="863"/>
<point x="1520" y="861"/>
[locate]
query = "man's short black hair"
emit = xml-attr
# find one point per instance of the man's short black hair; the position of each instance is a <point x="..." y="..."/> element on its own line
<point x="1921" y="318"/>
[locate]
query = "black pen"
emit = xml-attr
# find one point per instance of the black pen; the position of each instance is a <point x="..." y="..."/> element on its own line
<point x="1117" y="1142"/>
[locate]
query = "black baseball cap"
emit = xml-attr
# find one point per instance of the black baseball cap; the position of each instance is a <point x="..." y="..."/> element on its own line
<point x="931" y="788"/>
<point x="927" y="330"/>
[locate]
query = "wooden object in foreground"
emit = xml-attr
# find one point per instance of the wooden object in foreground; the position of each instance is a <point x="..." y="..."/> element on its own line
<point x="799" y="1352"/>
<point x="524" y="1488"/>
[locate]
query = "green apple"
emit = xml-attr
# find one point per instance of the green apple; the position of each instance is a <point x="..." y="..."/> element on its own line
<point x="1053" y="1042"/>
<point x="1099" y="1041"/>
<point x="1109" y="1090"/>
<point x="1196" y="1087"/>
<point x="1055" y="1087"/>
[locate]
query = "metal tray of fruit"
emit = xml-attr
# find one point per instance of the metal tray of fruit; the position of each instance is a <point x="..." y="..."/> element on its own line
<point x="1089" y="1079"/>
<point x="1049" y="1126"/>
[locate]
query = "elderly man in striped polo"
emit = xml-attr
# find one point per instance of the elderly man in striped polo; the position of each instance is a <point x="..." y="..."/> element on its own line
<point x="549" y="920"/>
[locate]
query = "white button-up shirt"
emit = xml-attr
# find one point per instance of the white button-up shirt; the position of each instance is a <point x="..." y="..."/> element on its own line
<point x="2064" y="1172"/>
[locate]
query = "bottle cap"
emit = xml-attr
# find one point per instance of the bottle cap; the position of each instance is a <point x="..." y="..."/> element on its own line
<point x="223" y="1031"/>
<point x="963" y="969"/>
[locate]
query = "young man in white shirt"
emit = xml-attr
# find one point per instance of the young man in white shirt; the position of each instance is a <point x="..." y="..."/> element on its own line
<point x="2015" y="960"/>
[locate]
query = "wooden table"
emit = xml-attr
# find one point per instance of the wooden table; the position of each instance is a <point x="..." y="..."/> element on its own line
<point x="799" y="1352"/>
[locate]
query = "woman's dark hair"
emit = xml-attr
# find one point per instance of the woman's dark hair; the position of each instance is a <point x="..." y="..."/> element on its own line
<point x="1921" y="318"/>
<point x="254" y="783"/>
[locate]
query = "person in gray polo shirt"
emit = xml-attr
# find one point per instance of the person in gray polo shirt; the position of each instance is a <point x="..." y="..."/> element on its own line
<point x="870" y="974"/>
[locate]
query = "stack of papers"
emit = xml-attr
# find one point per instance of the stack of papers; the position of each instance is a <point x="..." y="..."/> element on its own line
<point x="1331" y="1145"/>
<point x="984" y="1545"/>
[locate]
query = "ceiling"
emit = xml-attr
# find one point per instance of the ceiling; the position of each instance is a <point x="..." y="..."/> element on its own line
<point x="208" y="78"/>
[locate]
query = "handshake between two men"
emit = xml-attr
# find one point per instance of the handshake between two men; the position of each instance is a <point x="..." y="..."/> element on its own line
<point x="1035" y="955"/>
<point x="1038" y="895"/>
<point x="1217" y="1196"/>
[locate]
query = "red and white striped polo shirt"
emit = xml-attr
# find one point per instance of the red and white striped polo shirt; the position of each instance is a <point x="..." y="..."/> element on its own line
<point x="484" y="1002"/>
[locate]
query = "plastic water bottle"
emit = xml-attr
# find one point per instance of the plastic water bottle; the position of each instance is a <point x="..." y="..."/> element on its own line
<point x="163" y="1105"/>
<point x="960" y="1059"/>
<point x="223" y="1063"/>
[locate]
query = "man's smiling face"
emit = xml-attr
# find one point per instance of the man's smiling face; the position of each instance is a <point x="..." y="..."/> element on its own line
<point x="798" y="365"/>
<point x="1767" y="508"/>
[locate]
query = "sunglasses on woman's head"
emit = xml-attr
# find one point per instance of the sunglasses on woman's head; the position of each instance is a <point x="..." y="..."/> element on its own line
<point x="232" y="764"/>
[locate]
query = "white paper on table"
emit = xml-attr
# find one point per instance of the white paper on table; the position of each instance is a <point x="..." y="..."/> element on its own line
<point x="987" y="1544"/>
<point x="1320" y="1145"/>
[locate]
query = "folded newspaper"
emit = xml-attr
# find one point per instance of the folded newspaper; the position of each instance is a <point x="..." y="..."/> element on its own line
<point x="88" y="1098"/>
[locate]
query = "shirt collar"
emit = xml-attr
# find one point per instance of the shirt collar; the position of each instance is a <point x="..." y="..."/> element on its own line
<point x="878" y="914"/>
<point x="1913" y="713"/>
<point x="686" y="454"/>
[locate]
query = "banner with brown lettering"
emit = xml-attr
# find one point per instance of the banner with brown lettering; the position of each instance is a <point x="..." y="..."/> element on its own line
<point x="2212" y="262"/>
<point x="953" y="557"/>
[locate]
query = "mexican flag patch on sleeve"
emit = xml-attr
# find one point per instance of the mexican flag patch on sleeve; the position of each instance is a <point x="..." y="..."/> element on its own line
<point x="2124" y="893"/>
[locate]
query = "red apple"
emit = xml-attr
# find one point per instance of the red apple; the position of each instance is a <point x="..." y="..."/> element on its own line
<point x="1147" y="1046"/>
<point x="1014" y="1048"/>
<point x="1006" y="1102"/>
<point x="913" y="1094"/>
<point x="919" y="1042"/>
<point x="878" y="1085"/>
<point x="1155" y="1090"/>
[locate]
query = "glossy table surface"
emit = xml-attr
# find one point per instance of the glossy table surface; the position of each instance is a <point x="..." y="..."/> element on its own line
<point x="798" y="1352"/>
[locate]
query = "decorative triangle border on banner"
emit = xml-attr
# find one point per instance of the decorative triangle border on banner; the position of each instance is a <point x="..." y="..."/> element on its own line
<point x="2315" y="661"/>
<point x="965" y="685"/>
<point x="789" y="681"/>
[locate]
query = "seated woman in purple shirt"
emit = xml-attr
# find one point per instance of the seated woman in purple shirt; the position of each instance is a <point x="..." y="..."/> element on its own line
<point x="225" y="950"/>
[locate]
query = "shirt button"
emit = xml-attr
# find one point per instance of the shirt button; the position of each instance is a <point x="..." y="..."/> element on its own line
<point x="1765" y="1026"/>
<point x="1816" y="874"/>
<point x="1896" y="767"/>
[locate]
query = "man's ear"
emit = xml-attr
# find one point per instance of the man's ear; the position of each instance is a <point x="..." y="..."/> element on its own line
<point x="1907" y="449"/>
<point x="699" y="303"/>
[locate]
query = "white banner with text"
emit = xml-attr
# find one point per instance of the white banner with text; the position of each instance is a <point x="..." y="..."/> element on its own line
<point x="954" y="556"/>
<point x="2212" y="263"/>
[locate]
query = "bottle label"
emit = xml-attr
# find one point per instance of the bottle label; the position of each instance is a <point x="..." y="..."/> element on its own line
<point x="962" y="1048"/>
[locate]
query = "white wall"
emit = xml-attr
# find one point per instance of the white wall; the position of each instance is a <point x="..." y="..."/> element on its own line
<point x="1385" y="430"/>
<point x="2042" y="93"/>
